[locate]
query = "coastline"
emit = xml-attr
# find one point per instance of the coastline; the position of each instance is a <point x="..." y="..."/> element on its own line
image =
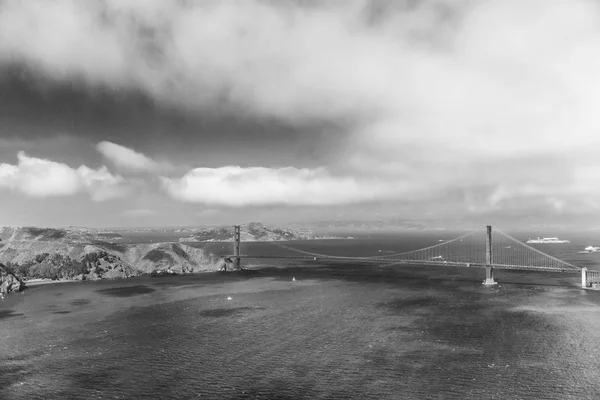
<point x="45" y="281"/>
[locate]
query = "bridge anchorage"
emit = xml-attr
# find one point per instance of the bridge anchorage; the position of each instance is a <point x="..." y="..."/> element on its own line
<point x="479" y="249"/>
<point x="590" y="279"/>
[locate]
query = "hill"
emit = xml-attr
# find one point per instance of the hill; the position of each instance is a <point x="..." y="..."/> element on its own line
<point x="32" y="253"/>
<point x="252" y="232"/>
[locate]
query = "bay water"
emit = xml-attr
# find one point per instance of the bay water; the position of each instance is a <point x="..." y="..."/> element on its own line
<point x="290" y="330"/>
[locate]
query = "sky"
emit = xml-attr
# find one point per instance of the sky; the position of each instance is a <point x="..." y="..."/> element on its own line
<point x="170" y="113"/>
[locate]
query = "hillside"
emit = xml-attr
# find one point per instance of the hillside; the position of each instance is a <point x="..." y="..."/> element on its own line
<point x="252" y="232"/>
<point x="65" y="254"/>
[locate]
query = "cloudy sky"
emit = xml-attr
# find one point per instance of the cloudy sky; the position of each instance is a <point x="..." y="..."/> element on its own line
<point x="165" y="112"/>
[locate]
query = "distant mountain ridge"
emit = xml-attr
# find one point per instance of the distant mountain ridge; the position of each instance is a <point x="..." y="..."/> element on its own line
<point x="66" y="235"/>
<point x="360" y="224"/>
<point x="252" y="232"/>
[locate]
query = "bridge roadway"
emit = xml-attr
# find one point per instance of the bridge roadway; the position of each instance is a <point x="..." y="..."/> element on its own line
<point x="388" y="261"/>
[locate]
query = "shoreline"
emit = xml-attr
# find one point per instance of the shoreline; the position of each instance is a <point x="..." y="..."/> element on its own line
<point x="46" y="281"/>
<point x="41" y="281"/>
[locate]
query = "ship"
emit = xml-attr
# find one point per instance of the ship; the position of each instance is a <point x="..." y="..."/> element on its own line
<point x="590" y="249"/>
<point x="548" y="240"/>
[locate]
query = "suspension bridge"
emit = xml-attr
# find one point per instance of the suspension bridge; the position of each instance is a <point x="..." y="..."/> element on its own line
<point x="476" y="249"/>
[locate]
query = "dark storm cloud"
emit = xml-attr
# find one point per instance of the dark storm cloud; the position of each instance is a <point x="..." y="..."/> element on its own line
<point x="32" y="108"/>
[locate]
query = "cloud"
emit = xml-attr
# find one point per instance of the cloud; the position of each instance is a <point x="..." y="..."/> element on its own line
<point x="37" y="177"/>
<point x="101" y="184"/>
<point x="494" y="100"/>
<point x="236" y="186"/>
<point x="126" y="158"/>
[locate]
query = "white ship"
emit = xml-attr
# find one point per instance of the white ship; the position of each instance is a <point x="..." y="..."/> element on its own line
<point x="547" y="240"/>
<point x="590" y="249"/>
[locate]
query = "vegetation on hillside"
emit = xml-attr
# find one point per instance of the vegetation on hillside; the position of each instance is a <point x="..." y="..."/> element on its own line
<point x="82" y="254"/>
<point x="59" y="266"/>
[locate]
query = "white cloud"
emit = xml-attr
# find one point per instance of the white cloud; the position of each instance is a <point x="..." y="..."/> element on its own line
<point x="127" y="158"/>
<point x="236" y="186"/>
<point x="101" y="184"/>
<point x="37" y="177"/>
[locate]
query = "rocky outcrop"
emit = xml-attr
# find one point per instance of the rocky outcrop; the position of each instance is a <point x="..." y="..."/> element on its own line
<point x="9" y="283"/>
<point x="175" y="256"/>
<point x="163" y="272"/>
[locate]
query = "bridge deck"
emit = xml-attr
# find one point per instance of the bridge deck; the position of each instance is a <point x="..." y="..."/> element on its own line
<point x="392" y="261"/>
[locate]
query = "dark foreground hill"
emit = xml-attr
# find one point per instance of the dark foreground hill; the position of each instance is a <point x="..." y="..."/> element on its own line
<point x="37" y="253"/>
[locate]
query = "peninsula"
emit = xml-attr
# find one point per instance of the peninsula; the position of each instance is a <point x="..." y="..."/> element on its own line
<point x="75" y="254"/>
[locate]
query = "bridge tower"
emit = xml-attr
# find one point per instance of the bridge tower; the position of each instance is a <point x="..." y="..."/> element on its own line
<point x="236" y="246"/>
<point x="489" y="269"/>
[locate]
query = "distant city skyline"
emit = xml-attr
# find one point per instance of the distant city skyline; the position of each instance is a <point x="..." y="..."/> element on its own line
<point x="167" y="113"/>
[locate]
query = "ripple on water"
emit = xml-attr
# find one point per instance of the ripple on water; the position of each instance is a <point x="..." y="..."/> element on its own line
<point x="9" y="314"/>
<point x="126" y="291"/>
<point x="80" y="302"/>
<point x="226" y="312"/>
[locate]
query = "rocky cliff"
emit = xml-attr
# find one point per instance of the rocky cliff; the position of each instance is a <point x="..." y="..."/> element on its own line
<point x="9" y="283"/>
<point x="175" y="256"/>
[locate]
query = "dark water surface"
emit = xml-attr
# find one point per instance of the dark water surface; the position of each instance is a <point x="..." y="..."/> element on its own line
<point x="338" y="331"/>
